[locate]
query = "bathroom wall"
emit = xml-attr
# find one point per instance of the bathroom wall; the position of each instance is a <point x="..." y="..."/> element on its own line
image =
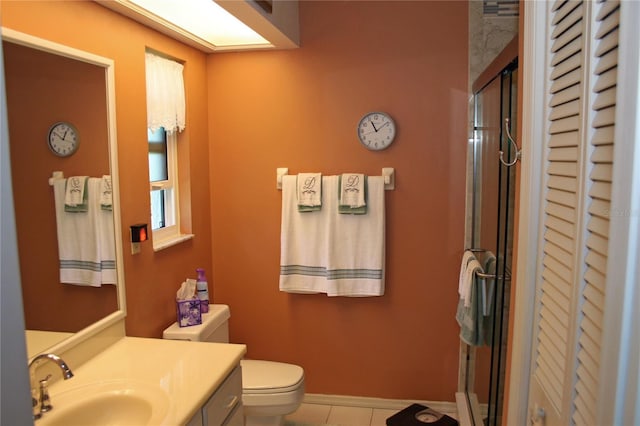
<point x="151" y="278"/>
<point x="491" y="28"/>
<point x="299" y="109"/>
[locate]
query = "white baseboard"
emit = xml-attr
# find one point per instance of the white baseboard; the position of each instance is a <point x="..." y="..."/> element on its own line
<point x="444" y="407"/>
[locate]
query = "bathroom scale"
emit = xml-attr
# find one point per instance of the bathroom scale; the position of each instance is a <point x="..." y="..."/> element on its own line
<point x="420" y="415"/>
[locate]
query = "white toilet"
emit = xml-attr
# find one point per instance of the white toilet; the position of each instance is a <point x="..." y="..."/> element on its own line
<point x="270" y="390"/>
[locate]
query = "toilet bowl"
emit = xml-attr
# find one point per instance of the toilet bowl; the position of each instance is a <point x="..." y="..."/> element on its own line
<point x="270" y="390"/>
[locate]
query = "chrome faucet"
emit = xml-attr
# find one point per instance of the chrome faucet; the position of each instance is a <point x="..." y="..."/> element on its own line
<point x="40" y="400"/>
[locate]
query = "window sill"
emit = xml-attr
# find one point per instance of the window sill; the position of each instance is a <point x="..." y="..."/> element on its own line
<point x="172" y="241"/>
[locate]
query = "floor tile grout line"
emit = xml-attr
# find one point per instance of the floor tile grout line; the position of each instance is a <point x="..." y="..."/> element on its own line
<point x="331" y="410"/>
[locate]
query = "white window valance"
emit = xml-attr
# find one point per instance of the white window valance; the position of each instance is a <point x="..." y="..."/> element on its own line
<point x="165" y="94"/>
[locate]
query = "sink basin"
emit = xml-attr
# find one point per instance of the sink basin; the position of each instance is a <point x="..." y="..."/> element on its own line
<point x="110" y="403"/>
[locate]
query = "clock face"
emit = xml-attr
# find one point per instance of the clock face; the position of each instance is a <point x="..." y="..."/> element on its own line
<point x="63" y="139"/>
<point x="376" y="130"/>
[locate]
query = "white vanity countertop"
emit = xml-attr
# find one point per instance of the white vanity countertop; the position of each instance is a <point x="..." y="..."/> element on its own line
<point x="187" y="373"/>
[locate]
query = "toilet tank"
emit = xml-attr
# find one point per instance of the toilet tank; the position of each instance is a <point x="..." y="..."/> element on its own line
<point x="214" y="327"/>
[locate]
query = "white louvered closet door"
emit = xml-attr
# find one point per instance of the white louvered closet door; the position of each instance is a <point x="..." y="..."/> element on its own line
<point x="580" y="118"/>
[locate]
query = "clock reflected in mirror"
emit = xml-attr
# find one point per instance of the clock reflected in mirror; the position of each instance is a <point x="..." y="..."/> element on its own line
<point x="63" y="139"/>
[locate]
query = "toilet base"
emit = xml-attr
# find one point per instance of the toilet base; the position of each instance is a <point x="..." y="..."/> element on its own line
<point x="263" y="421"/>
<point x="263" y="409"/>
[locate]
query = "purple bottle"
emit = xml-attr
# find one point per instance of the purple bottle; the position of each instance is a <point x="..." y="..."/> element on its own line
<point x="202" y="288"/>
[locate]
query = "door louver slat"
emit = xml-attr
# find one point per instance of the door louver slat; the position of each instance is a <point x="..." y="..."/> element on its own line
<point x="557" y="239"/>
<point x="560" y="211"/>
<point x="563" y="165"/>
<point x="591" y="302"/>
<point x="565" y="96"/>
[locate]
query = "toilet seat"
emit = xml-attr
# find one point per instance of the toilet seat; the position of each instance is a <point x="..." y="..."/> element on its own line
<point x="270" y="377"/>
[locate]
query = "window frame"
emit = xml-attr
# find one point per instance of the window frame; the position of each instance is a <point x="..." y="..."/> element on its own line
<point x="169" y="235"/>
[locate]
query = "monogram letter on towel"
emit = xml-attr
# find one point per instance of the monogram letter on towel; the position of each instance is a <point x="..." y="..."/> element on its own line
<point x="309" y="192"/>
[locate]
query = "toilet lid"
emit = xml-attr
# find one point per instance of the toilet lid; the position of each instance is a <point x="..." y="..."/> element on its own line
<point x="269" y="376"/>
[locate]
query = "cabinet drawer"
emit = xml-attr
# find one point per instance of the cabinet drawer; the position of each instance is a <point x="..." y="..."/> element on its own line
<point x="224" y="400"/>
<point x="236" y="418"/>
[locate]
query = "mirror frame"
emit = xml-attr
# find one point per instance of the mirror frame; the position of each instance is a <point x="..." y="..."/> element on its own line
<point x="107" y="64"/>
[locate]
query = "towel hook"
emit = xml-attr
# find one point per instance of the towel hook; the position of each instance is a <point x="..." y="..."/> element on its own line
<point x="515" y="145"/>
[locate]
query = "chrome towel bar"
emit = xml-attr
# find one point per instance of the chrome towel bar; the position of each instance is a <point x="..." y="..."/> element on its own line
<point x="506" y="277"/>
<point x="388" y="173"/>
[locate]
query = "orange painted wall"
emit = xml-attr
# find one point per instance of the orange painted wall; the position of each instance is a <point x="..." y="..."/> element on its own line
<point x="151" y="278"/>
<point x="299" y="109"/>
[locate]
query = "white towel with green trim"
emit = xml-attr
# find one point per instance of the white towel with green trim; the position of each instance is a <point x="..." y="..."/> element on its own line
<point x="357" y="246"/>
<point x="80" y="244"/>
<point x="107" y="245"/>
<point x="303" y="242"/>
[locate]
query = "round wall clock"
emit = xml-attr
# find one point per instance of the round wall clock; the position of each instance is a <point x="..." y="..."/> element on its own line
<point x="376" y="130"/>
<point x="63" y="139"/>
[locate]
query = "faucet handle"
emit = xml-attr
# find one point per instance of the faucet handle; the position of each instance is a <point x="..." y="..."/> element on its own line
<point x="45" y="400"/>
<point x="36" y="408"/>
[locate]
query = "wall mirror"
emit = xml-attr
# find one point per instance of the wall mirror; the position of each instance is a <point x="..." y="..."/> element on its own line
<point x="48" y="83"/>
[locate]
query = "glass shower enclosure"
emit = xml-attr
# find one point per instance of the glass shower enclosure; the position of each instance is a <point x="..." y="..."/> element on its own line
<point x="490" y="236"/>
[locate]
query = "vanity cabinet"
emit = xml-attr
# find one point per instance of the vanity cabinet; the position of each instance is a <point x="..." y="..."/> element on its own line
<point x="224" y="407"/>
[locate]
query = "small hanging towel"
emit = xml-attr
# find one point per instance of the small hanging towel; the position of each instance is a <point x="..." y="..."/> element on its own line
<point x="467" y="257"/>
<point x="76" y="195"/>
<point x="106" y="193"/>
<point x="469" y="311"/>
<point x="352" y="193"/>
<point x="309" y="192"/>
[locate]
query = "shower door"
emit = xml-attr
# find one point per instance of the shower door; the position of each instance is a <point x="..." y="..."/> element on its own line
<point x="492" y="235"/>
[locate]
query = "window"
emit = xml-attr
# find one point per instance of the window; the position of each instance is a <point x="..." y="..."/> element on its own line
<point x="162" y="177"/>
<point x="165" y="117"/>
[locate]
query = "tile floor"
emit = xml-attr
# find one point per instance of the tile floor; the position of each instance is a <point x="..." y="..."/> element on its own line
<point x="336" y="415"/>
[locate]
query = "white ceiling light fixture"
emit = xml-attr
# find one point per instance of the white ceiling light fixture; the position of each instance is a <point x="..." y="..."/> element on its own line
<point x="200" y="23"/>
